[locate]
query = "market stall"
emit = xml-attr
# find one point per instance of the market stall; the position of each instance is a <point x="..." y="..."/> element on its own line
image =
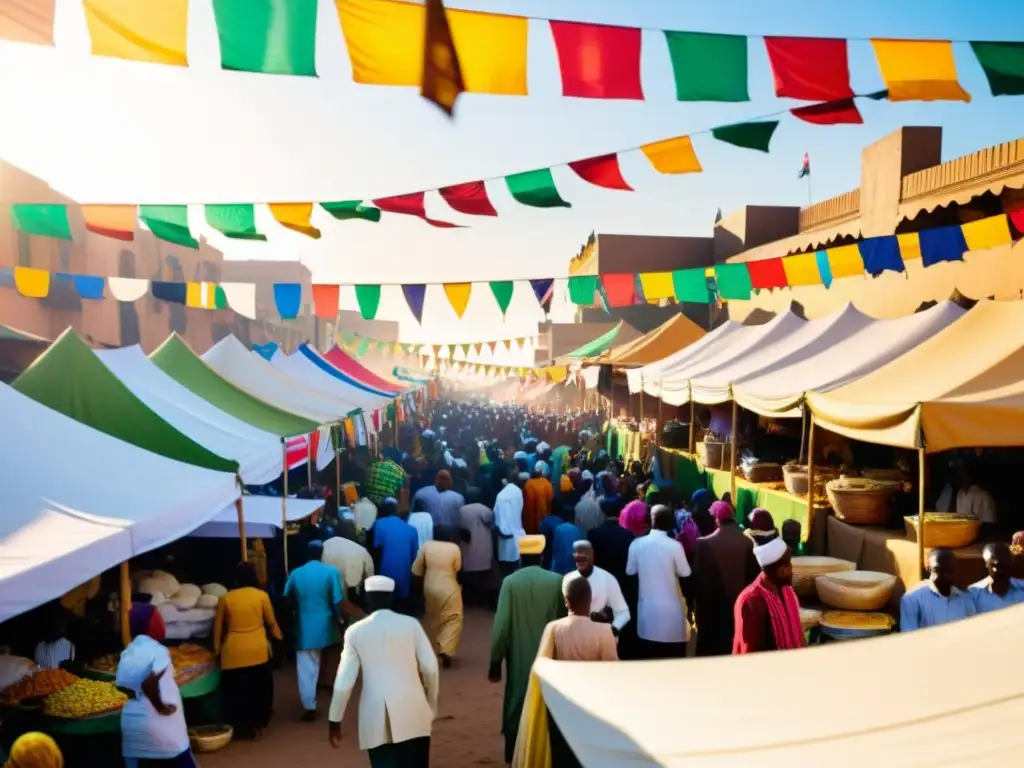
<point x="314" y="374"/>
<point x="262" y="515"/>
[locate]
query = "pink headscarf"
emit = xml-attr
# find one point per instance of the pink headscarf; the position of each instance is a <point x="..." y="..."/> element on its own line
<point x="722" y="510"/>
<point x="634" y="518"/>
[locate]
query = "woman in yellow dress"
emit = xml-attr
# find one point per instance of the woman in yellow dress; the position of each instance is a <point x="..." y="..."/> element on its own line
<point x="240" y="637"/>
<point x="438" y="563"/>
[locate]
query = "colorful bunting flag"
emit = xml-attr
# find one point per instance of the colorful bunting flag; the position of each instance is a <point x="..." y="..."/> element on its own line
<point x="766" y="274"/>
<point x="296" y="217"/>
<point x="601" y="171"/>
<point x="469" y="198"/>
<point x="442" y="76"/>
<point x="89" y="287"/>
<point x="1003" y="64"/>
<point x="544" y="291"/>
<point x="842" y="112"/>
<point x="234" y="220"/>
<point x="691" y="286"/>
<point x="756" y="135"/>
<point x="942" y="244"/>
<point x="708" y="67"/>
<point x="478" y="348"/>
<point x="881" y="254"/>
<point x="824" y="268"/>
<point x="536" y="189"/>
<point x="273" y="37"/>
<point x="345" y="210"/>
<point x="415" y="296"/>
<point x="582" y="289"/>
<point x="169" y="223"/>
<point x="672" y="156"/>
<point x="465" y="350"/>
<point x="801" y="269"/>
<point x="288" y="299"/>
<point x="368" y="298"/>
<point x="115" y="221"/>
<point x="42" y="219"/>
<point x="177" y="293"/>
<point x="808" y="68"/>
<point x="919" y="70"/>
<point x="458" y="296"/>
<point x="657" y="286"/>
<point x="598" y="61"/>
<point x="987" y="233"/>
<point x="204" y="295"/>
<point x="493" y="345"/>
<point x="844" y="261"/>
<point x="733" y="281"/>
<point x="451" y="352"/>
<point x="503" y="290"/>
<point x="326" y="301"/>
<point x="507" y="343"/>
<point x="619" y="289"/>
<point x="155" y="32"/>
<point x="31" y="282"/>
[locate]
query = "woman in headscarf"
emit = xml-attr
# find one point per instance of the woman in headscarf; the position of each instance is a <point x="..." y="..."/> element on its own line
<point x="438" y="563"/>
<point x="35" y="750"/>
<point x="762" y="527"/>
<point x="700" y="510"/>
<point x="635" y="517"/>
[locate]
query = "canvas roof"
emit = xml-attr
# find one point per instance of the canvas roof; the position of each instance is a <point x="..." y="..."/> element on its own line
<point x="177" y="360"/>
<point x="641" y="377"/>
<point x="674" y="334"/>
<point x="868" y="702"/>
<point x="258" y="453"/>
<point x="108" y="501"/>
<point x="307" y="367"/>
<point x="247" y="370"/>
<point x="70" y="379"/>
<point x="778" y="390"/>
<point x="348" y="365"/>
<point x="262" y="515"/>
<point x="963" y="387"/>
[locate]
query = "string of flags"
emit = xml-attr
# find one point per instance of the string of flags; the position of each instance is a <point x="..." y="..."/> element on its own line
<point x="359" y="345"/>
<point x="730" y="281"/>
<point x="385" y="44"/>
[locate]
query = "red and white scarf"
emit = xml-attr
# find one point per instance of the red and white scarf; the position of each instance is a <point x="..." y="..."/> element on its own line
<point x="784" y="615"/>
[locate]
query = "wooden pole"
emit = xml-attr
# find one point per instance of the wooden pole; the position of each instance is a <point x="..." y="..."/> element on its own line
<point x="641" y="397"/>
<point x="810" y="476"/>
<point x="921" y="479"/>
<point x="693" y="431"/>
<point x="284" y="504"/>
<point x="657" y="429"/>
<point x="732" y="455"/>
<point x="337" y="464"/>
<point x="803" y="437"/>
<point x="126" y="604"/>
<point x="241" y="528"/>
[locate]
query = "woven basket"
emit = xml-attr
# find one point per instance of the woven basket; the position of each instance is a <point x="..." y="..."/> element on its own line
<point x="763" y="473"/>
<point x="807" y="569"/>
<point x="796" y="477"/>
<point x="855" y="590"/>
<point x="714" y="455"/>
<point x="860" y="502"/>
<point x="210" y="738"/>
<point x="846" y="625"/>
<point x="943" y="529"/>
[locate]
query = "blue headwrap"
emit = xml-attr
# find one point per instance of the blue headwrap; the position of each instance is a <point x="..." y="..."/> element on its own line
<point x="699" y="495"/>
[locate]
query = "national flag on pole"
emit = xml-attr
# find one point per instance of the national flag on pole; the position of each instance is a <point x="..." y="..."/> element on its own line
<point x="805" y="169"/>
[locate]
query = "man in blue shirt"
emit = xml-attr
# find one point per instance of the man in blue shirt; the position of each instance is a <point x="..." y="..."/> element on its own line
<point x="998" y="589"/>
<point x="394" y="545"/>
<point x="319" y="598"/>
<point x="936" y="601"/>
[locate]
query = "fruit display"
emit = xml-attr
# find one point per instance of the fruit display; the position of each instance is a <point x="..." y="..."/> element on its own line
<point x="84" y="698"/>
<point x="42" y="683"/>
<point x="189" y="660"/>
<point x="190" y="655"/>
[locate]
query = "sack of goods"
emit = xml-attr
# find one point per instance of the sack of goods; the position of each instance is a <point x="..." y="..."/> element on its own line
<point x="188" y="613"/>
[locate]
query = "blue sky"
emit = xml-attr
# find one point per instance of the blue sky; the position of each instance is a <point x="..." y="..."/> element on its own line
<point x="112" y="131"/>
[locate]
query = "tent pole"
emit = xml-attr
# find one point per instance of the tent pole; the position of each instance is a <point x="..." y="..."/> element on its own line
<point x="810" y="475"/>
<point x="241" y="528"/>
<point x="693" y="433"/>
<point x="641" y="397"/>
<point x="337" y="466"/>
<point x="921" y="478"/>
<point x="658" y="427"/>
<point x="126" y="604"/>
<point x="309" y="462"/>
<point x="803" y="436"/>
<point x="732" y="455"/>
<point x="284" y="504"/>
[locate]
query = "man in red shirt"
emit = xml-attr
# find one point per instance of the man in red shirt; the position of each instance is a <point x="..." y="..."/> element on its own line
<point x="767" y="613"/>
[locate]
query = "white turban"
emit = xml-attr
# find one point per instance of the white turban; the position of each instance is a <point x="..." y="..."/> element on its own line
<point x="518" y="455"/>
<point x="770" y="553"/>
<point x="586" y="474"/>
<point x="541" y="468"/>
<point x="543" y="447"/>
<point x="524" y="475"/>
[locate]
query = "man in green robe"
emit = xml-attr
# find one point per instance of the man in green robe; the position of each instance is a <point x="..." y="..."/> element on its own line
<point x="529" y="599"/>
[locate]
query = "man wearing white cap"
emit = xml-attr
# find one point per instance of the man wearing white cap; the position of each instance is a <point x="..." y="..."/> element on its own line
<point x="767" y="613"/>
<point x="400" y="683"/>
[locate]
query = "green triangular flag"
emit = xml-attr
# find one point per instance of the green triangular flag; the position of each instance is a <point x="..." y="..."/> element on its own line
<point x="274" y="38"/>
<point x="691" y="285"/>
<point x="236" y="221"/>
<point x="381" y="345"/>
<point x="45" y="220"/>
<point x="368" y="297"/>
<point x="348" y="337"/>
<point x="582" y="289"/>
<point x="756" y="135"/>
<point x="169" y="223"/>
<point x="733" y="281"/>
<point x="1003" y="64"/>
<point x="502" y="290"/>
<point x="345" y="210"/>
<point x="465" y="351"/>
<point x="536" y="188"/>
<point x="220" y="299"/>
<point x="451" y="351"/>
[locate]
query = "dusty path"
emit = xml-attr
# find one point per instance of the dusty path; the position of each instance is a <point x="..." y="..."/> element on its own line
<point x="466" y="733"/>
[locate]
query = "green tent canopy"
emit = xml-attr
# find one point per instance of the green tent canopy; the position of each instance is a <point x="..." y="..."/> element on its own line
<point x="177" y="360"/>
<point x="598" y="346"/>
<point x="70" y="379"/>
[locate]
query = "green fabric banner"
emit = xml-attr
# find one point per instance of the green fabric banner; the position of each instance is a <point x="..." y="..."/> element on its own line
<point x="44" y="220"/>
<point x="691" y="285"/>
<point x="582" y="289"/>
<point x="1003" y="64"/>
<point x="733" y="281"/>
<point x="536" y="189"/>
<point x="756" y="135"/>
<point x="368" y="297"/>
<point x="179" y="362"/>
<point x="237" y="220"/>
<point x="708" y="67"/>
<point x="503" y="290"/>
<point x="273" y="37"/>
<point x="70" y="379"/>
<point x="169" y="223"/>
<point x="343" y="210"/>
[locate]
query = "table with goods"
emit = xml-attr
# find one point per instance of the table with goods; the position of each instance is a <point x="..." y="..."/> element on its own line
<point x="839" y="602"/>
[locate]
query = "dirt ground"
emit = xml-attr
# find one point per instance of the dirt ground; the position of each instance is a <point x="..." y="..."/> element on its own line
<point x="467" y="731"/>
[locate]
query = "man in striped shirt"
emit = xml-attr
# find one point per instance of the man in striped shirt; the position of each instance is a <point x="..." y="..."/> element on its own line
<point x="55" y="650"/>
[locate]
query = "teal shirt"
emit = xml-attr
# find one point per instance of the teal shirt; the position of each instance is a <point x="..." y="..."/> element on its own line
<point x="316" y="588"/>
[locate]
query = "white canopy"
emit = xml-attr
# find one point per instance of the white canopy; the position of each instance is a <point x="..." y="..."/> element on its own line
<point x="707" y="345"/>
<point x="250" y="372"/>
<point x="77" y="502"/>
<point x="832" y="361"/>
<point x="258" y="453"/>
<point x="853" y="703"/>
<point x="300" y="368"/>
<point x="262" y="516"/>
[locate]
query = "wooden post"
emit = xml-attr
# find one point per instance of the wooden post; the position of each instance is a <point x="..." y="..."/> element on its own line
<point x="657" y="429"/>
<point x="337" y="465"/>
<point x="921" y="479"/>
<point x="810" y="475"/>
<point x="241" y="528"/>
<point x="126" y="604"/>
<point x="284" y="504"/>
<point x="693" y="431"/>
<point x="641" y="397"/>
<point x="732" y="455"/>
<point x="803" y="436"/>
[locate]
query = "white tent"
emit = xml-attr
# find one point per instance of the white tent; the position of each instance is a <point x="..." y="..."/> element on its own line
<point x="258" y="453"/>
<point x="77" y="502"/>
<point x="778" y="390"/>
<point x="864" y="702"/>
<point x="707" y="345"/>
<point x="262" y="516"/>
<point x="300" y="368"/>
<point x="250" y="372"/>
